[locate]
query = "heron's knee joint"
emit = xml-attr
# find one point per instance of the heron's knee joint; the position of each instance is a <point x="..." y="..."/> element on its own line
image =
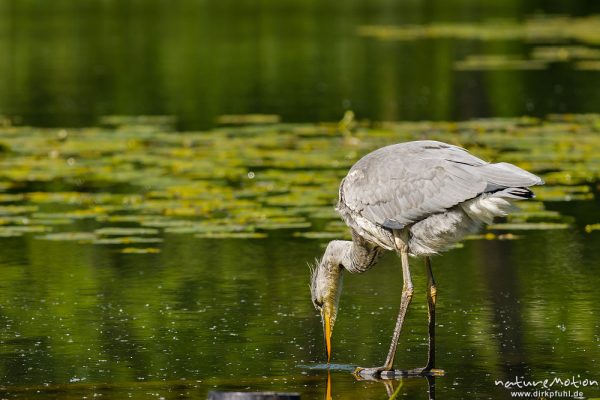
<point x="407" y="292"/>
<point x="433" y="292"/>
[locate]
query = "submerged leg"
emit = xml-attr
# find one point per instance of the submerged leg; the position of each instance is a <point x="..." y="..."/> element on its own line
<point x="429" y="369"/>
<point x="431" y="298"/>
<point x="407" y="293"/>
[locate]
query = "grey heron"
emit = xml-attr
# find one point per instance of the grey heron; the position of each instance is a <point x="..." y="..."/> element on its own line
<point x="417" y="199"/>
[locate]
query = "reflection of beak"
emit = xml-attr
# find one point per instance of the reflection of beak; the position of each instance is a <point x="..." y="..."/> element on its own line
<point x="327" y="333"/>
<point x="328" y="392"/>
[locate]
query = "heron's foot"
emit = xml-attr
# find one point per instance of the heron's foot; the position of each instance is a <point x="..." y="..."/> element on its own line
<point x="374" y="373"/>
<point x="425" y="371"/>
<point x="384" y="373"/>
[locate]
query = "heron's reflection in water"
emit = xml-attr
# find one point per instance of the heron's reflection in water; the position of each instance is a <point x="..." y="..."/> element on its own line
<point x="392" y="389"/>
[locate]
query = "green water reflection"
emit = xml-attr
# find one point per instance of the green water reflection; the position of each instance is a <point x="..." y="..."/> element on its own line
<point x="236" y="314"/>
<point x="138" y="262"/>
<point x="66" y="63"/>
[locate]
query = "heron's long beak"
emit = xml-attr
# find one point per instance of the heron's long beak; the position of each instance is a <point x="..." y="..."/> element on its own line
<point x="327" y="332"/>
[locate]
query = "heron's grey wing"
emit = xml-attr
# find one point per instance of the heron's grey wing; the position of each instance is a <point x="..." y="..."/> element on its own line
<point x="407" y="194"/>
<point x="402" y="185"/>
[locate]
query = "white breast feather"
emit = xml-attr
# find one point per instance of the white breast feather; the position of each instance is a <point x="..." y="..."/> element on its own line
<point x="438" y="232"/>
<point x="486" y="207"/>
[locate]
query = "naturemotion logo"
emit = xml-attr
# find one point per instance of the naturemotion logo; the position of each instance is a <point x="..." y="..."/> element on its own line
<point x="542" y="387"/>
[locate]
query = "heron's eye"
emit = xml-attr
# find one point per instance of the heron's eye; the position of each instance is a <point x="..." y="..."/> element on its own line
<point x="318" y="304"/>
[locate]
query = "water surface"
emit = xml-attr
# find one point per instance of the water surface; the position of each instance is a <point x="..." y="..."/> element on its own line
<point x="142" y="263"/>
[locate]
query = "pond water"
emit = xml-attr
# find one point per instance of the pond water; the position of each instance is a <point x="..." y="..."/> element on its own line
<point x="141" y="263"/>
<point x="68" y="63"/>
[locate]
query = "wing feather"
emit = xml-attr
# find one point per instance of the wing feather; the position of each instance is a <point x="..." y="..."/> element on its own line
<point x="401" y="184"/>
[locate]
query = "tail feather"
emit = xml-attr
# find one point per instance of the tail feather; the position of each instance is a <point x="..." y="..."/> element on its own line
<point x="517" y="193"/>
<point x="505" y="175"/>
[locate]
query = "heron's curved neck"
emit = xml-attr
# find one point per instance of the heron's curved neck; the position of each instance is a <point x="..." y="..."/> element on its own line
<point x="355" y="256"/>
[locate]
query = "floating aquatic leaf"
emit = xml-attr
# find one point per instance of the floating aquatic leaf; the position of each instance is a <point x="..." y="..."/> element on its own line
<point x="588" y="65"/>
<point x="317" y="235"/>
<point x="119" y="231"/>
<point x="240" y="179"/>
<point x="569" y="177"/>
<point x="135" y="218"/>
<point x="336" y="226"/>
<point x="9" y="233"/>
<point x="19" y="230"/>
<point x="9" y="198"/>
<point x="257" y="213"/>
<point x="497" y="62"/>
<point x="592" y="227"/>
<point x="138" y="250"/>
<point x="127" y="240"/>
<point x="564" y="193"/>
<point x="163" y="222"/>
<point x="537" y="28"/>
<point x="564" y="53"/>
<point x="493" y="236"/>
<point x="156" y="121"/>
<point x="81" y="237"/>
<point x="77" y="214"/>
<point x="528" y="226"/>
<point x="245" y="119"/>
<point x="51" y="221"/>
<point x="535" y="216"/>
<point x="312" y="198"/>
<point x="283" y="225"/>
<point x="15" y="219"/>
<point x="11" y="210"/>
<point x="214" y="227"/>
<point x="70" y="197"/>
<point x="231" y="235"/>
<point x="316" y="212"/>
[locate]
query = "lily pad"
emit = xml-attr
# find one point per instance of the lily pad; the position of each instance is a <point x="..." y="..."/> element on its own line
<point x="81" y="237"/>
<point x="592" y="227"/>
<point x="9" y="198"/>
<point x="236" y="181"/>
<point x="18" y="230"/>
<point x="536" y="28"/>
<point x="210" y="228"/>
<point x="17" y="209"/>
<point x="493" y="236"/>
<point x="529" y="226"/>
<point x="231" y="235"/>
<point x="118" y="231"/>
<point x="317" y="235"/>
<point x="138" y="250"/>
<point x="274" y="225"/>
<point x="127" y="240"/>
<point x="246" y="119"/>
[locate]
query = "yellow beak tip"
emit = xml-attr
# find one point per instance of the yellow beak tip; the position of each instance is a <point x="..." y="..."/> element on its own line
<point x="328" y="337"/>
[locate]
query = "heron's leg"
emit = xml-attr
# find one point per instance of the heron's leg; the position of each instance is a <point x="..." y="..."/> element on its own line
<point x="429" y="368"/>
<point x="407" y="293"/>
<point x="431" y="298"/>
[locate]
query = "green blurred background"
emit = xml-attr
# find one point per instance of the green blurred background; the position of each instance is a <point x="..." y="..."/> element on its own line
<point x="66" y="63"/>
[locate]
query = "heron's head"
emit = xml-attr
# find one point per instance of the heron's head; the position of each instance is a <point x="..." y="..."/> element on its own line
<point x="325" y="288"/>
